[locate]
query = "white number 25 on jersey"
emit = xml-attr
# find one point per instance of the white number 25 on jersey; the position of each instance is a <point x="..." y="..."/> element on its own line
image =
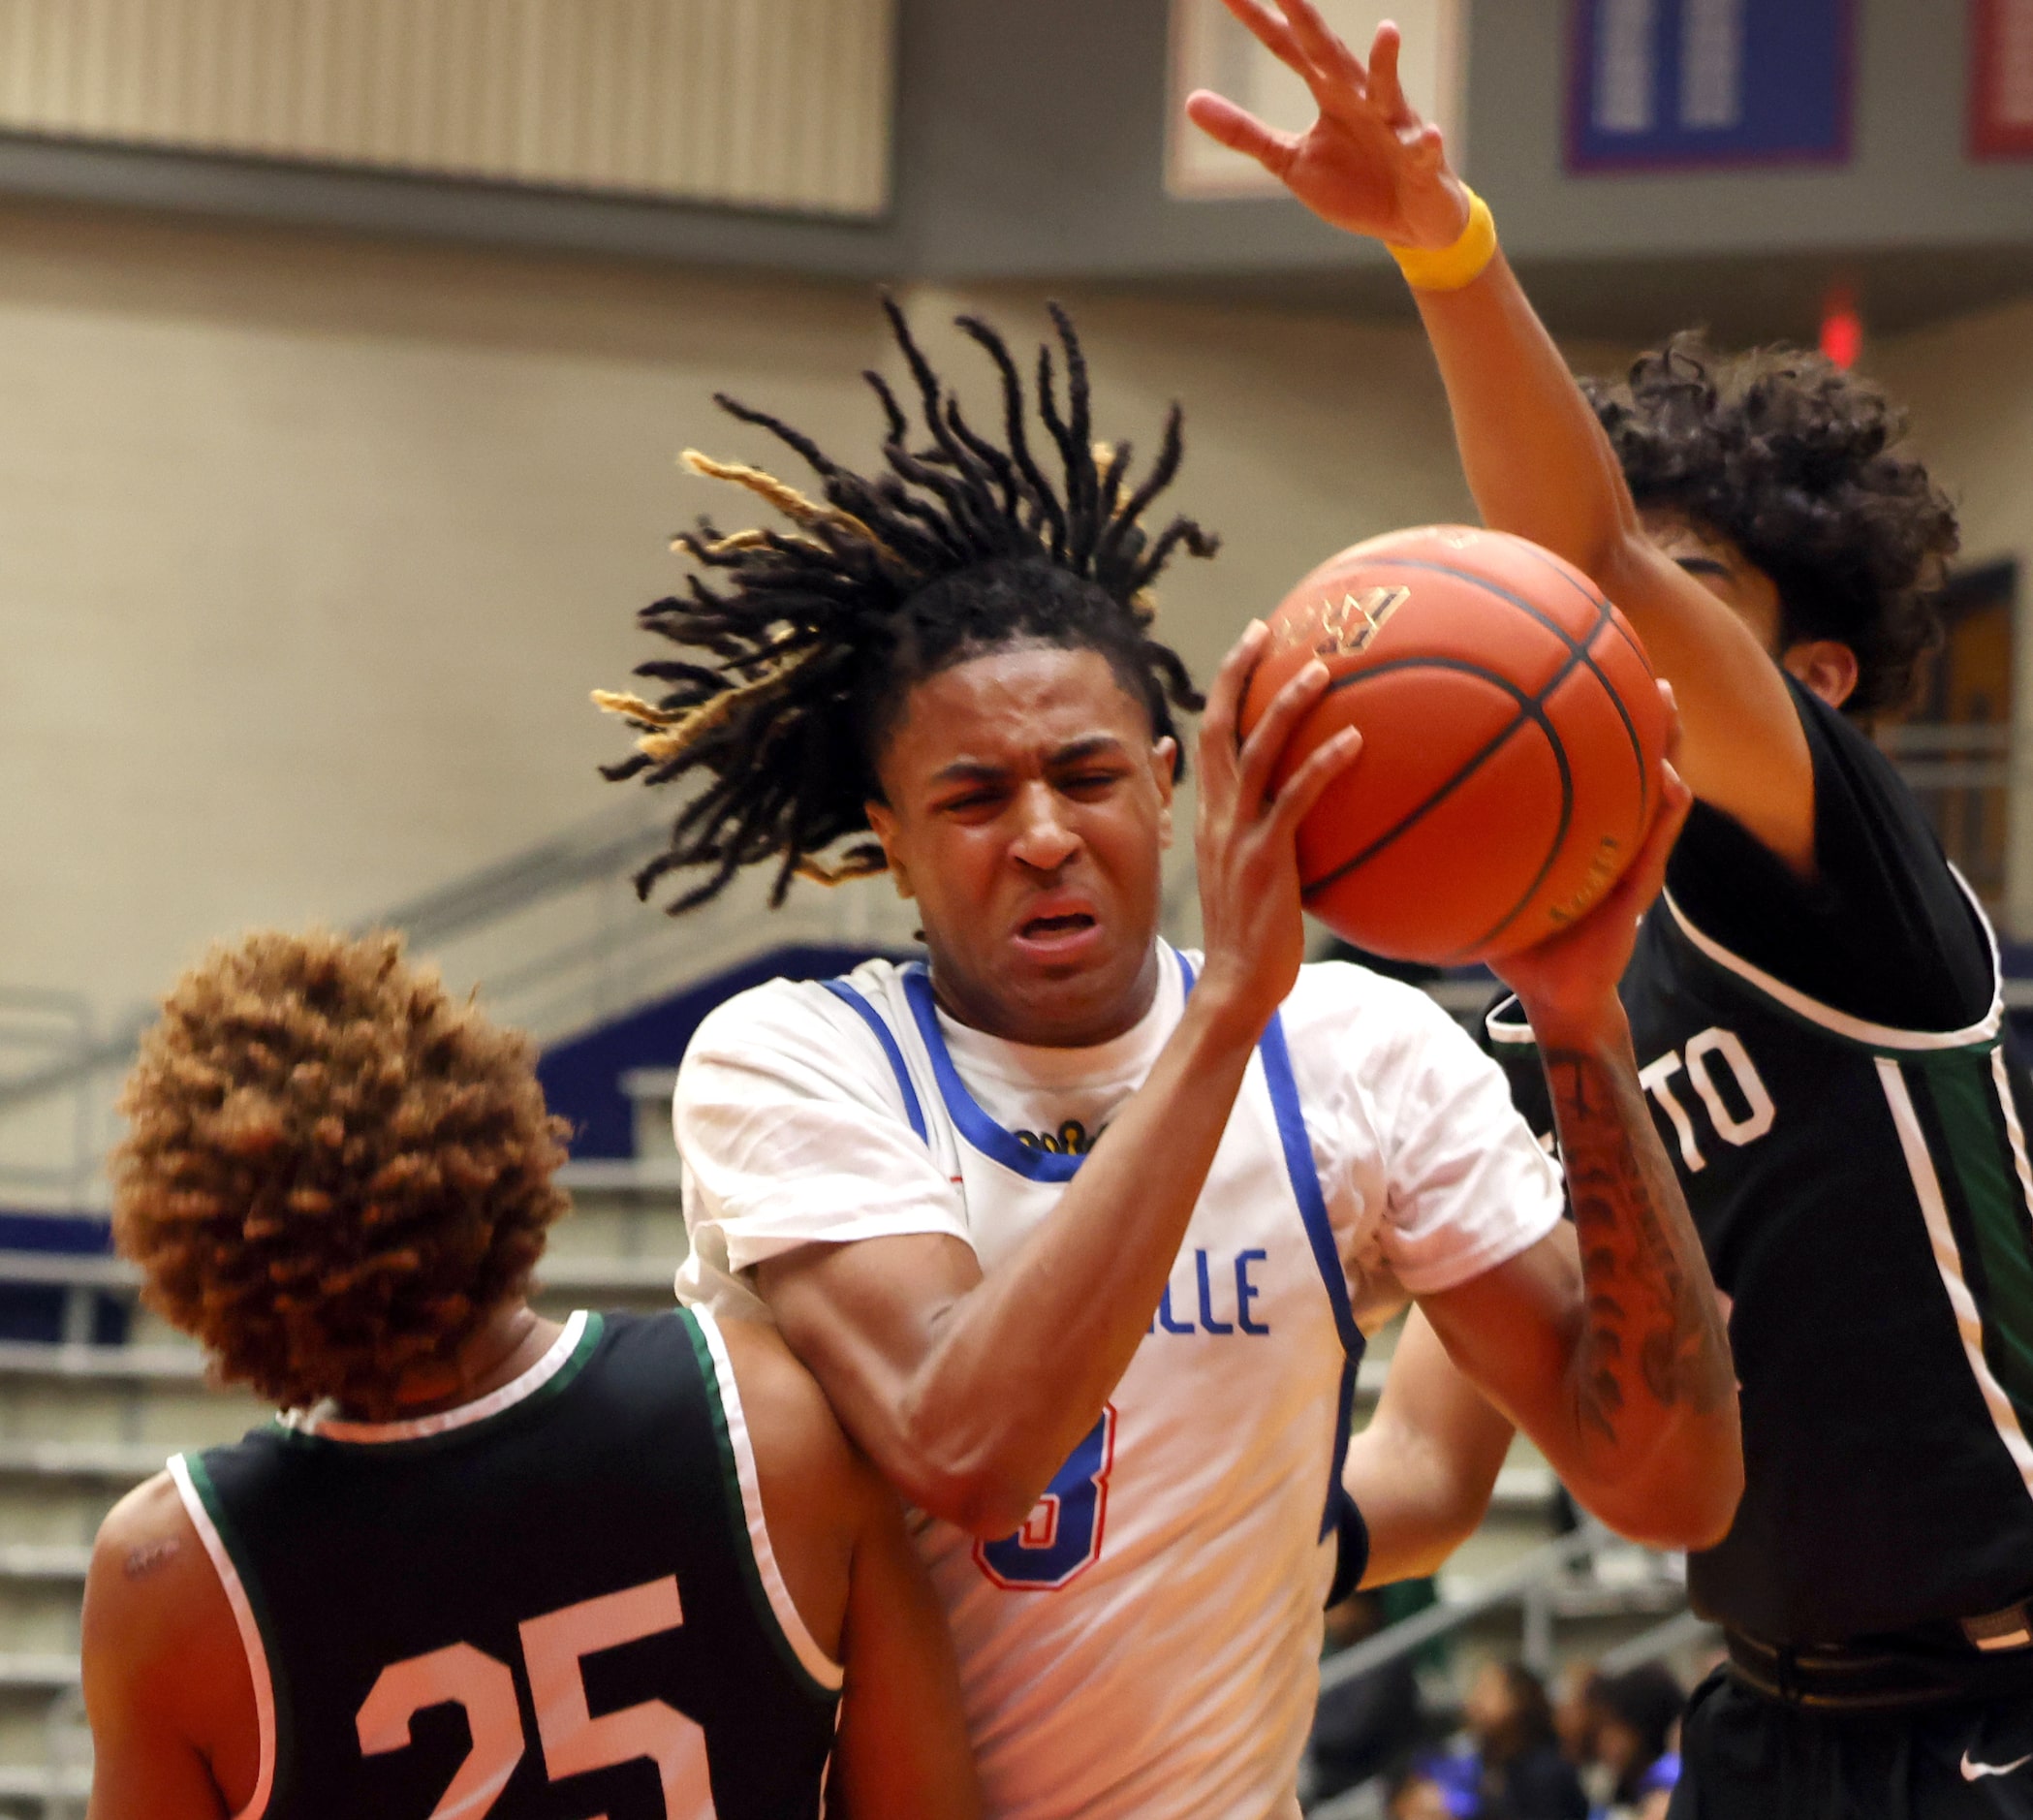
<point x="573" y="1741"/>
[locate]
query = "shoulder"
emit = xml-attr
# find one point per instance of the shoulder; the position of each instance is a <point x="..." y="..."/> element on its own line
<point x="820" y="1497"/>
<point x="793" y="1015"/>
<point x="153" y="1599"/>
<point x="1344" y="1022"/>
<point x="793" y="1431"/>
<point x="1329" y="992"/>
<point x="795" y="1040"/>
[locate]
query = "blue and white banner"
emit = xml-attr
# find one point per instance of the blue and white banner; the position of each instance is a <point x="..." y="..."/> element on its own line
<point x="1662" y="84"/>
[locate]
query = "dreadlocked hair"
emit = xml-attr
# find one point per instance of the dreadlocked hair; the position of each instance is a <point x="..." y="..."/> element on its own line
<point x="1798" y="464"/>
<point x="795" y="666"/>
<point x="333" y="1171"/>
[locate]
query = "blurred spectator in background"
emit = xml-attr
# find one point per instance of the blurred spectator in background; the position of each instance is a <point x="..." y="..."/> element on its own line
<point x="1364" y="1726"/>
<point x="1521" y="1774"/>
<point x="1416" y="1795"/>
<point x="1578" y="1716"/>
<point x="1637" y="1740"/>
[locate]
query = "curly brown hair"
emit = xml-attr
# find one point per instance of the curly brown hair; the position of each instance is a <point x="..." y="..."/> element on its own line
<point x="333" y="1171"/>
<point x="1798" y="464"/>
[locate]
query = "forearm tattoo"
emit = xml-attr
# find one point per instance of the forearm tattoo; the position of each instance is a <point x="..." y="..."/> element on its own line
<point x="1652" y="1327"/>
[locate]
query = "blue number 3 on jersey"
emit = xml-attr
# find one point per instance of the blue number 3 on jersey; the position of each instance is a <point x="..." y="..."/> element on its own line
<point x="1061" y="1537"/>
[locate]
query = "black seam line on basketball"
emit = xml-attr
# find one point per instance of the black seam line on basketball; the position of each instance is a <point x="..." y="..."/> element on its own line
<point x="1528" y="709"/>
<point x="1581" y="647"/>
<point x="1606" y="616"/>
<point x="1552" y="852"/>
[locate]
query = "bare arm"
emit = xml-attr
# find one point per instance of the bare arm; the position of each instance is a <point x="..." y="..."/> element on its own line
<point x="1423" y="1471"/>
<point x="166" y="1684"/>
<point x="903" y="1746"/>
<point x="970" y="1392"/>
<point x="1536" y="459"/>
<point x="1618" y="1369"/>
<point x="838" y="1536"/>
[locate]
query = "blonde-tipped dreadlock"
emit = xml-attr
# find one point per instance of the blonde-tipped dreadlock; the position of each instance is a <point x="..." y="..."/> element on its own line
<point x="793" y="671"/>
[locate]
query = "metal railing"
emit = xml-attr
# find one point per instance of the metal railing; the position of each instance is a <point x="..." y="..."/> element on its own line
<point x="553" y="937"/>
<point x="1533" y="1583"/>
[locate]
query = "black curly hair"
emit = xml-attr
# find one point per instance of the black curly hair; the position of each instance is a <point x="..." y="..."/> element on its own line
<point x="1798" y="464"/>
<point x="794" y="673"/>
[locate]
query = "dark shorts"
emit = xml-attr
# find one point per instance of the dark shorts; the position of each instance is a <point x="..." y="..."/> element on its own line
<point x="1744" y="1756"/>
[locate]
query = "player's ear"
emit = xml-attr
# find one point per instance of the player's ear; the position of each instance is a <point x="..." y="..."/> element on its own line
<point x="1826" y="666"/>
<point x="882" y="823"/>
<point x="1163" y="772"/>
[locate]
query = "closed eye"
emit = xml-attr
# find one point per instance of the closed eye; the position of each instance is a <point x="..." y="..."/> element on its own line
<point x="1090" y="783"/>
<point x="971" y="802"/>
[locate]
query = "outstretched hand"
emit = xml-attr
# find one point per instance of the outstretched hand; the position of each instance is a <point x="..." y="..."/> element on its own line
<point x="1247" y="836"/>
<point x="1368" y="164"/>
<point x="1567" y="981"/>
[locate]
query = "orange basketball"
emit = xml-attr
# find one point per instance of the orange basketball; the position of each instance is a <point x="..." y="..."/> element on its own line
<point x="1512" y="733"/>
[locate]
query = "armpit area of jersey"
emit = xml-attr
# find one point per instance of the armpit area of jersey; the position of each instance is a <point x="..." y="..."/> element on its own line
<point x="1883" y="932"/>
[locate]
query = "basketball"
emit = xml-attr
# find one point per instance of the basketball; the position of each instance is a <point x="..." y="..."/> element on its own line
<point x="1512" y="733"/>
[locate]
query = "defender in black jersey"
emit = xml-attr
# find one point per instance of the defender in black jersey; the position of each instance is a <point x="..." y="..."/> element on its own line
<point x="486" y="1564"/>
<point x="1815" y="1001"/>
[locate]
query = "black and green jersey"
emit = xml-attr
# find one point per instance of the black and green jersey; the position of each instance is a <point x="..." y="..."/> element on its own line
<point x="554" y="1602"/>
<point x="1864" y="1195"/>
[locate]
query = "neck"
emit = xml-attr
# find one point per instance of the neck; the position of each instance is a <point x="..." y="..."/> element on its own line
<point x="504" y="1347"/>
<point x="1063" y="1024"/>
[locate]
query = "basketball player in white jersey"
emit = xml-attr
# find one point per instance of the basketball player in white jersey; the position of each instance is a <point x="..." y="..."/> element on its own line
<point x="1077" y="1230"/>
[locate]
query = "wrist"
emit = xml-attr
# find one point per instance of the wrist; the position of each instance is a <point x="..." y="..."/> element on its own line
<point x="1221" y="1015"/>
<point x="1598" y="1029"/>
<point x="1462" y="262"/>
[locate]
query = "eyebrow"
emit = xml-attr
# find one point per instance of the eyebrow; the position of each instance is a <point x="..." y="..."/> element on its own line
<point x="970" y="770"/>
<point x="1704" y="565"/>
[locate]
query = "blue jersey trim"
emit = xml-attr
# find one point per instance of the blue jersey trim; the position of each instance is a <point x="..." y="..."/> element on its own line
<point x="1320" y="1233"/>
<point x="990" y="1139"/>
<point x="847" y="995"/>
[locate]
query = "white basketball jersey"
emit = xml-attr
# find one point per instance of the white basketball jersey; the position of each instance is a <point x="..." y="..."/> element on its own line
<point x="1148" y="1642"/>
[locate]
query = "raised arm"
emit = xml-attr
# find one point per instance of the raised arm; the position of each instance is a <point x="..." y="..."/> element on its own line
<point x="970" y="1391"/>
<point x="1617" y="1364"/>
<point x="1535" y="455"/>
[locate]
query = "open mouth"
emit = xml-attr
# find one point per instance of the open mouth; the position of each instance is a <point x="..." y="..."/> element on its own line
<point x="1045" y="929"/>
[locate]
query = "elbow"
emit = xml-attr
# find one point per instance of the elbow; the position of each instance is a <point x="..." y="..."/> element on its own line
<point x="972" y="1482"/>
<point x="984" y="1501"/>
<point x="1688" y="1504"/>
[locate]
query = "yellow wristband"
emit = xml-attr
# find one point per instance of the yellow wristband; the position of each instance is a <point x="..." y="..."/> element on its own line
<point x="1450" y="267"/>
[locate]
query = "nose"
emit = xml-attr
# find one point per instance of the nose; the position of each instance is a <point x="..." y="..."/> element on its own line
<point x="1044" y="841"/>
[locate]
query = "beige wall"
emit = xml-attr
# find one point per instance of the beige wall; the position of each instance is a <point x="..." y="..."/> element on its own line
<point x="310" y="548"/>
<point x="1969" y="387"/>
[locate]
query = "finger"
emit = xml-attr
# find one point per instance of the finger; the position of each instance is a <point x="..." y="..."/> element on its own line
<point x="1272" y="33"/>
<point x="1387" y="94"/>
<point x="1267" y="738"/>
<point x="1646" y="876"/>
<point x="1218" y="721"/>
<point x="1306" y="785"/>
<point x="1673" y="721"/>
<point x="1326" y="54"/>
<point x="1221" y="120"/>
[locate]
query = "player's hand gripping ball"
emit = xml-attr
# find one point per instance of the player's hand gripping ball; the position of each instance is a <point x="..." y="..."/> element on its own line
<point x="1511" y="738"/>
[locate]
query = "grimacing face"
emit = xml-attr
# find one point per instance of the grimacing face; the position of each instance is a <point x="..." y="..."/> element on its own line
<point x="1026" y="809"/>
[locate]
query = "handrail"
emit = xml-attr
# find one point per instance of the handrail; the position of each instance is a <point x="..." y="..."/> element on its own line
<point x="1413" y="1633"/>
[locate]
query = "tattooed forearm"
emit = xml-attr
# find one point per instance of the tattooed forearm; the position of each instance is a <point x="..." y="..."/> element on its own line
<point x="1653" y="1329"/>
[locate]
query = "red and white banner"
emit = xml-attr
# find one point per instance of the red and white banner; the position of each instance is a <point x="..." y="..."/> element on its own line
<point x="2001" y="78"/>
